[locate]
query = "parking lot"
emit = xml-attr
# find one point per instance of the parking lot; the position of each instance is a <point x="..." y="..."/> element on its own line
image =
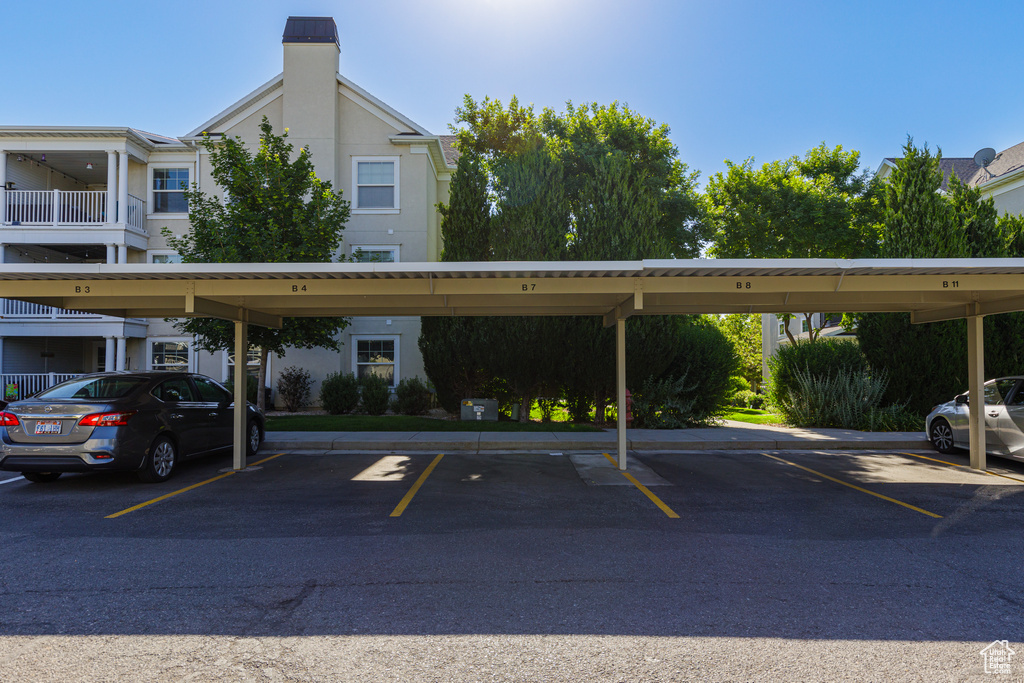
<point x="717" y="565"/>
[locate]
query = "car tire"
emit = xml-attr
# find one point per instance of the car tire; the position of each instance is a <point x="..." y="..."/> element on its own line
<point x="41" y="477"/>
<point x="253" y="438"/>
<point x="163" y="457"/>
<point x="941" y="436"/>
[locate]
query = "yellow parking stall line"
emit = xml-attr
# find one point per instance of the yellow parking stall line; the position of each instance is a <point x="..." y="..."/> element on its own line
<point x="855" y="487"/>
<point x="956" y="464"/>
<point x="187" y="488"/>
<point x="168" y="495"/>
<point x="404" y="503"/>
<point x="646" y="491"/>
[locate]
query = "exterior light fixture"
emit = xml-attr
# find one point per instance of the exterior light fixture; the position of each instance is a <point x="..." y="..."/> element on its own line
<point x="88" y="166"/>
<point x="42" y="158"/>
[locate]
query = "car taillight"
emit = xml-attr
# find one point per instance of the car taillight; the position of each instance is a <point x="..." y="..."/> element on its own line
<point x="107" y="419"/>
<point x="8" y="420"/>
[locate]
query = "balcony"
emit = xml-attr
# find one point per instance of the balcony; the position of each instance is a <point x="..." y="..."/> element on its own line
<point x="55" y="208"/>
<point x="24" y="319"/>
<point x="71" y="217"/>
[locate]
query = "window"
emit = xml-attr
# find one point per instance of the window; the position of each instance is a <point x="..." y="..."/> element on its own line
<point x="210" y="391"/>
<point x="996" y="391"/>
<point x="252" y="363"/>
<point x="174" y="390"/>
<point x="169" y="355"/>
<point x="782" y="329"/>
<point x="375" y="184"/>
<point x="164" y="256"/>
<point x="375" y="254"/>
<point x="376" y="356"/>
<point x="803" y="325"/>
<point x="169" y="185"/>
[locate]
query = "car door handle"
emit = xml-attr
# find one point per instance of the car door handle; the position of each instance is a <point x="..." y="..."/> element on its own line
<point x="214" y="414"/>
<point x="176" y="416"/>
<point x="995" y="414"/>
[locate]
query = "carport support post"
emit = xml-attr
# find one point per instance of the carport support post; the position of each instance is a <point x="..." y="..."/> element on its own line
<point x="620" y="385"/>
<point x="976" y="384"/>
<point x="241" y="384"/>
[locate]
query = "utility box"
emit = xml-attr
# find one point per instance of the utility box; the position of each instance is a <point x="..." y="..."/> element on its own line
<point x="479" y="409"/>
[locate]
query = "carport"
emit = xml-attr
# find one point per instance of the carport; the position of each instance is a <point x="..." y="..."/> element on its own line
<point x="264" y="293"/>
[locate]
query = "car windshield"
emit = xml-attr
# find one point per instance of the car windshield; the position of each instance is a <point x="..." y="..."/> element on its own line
<point x="93" y="387"/>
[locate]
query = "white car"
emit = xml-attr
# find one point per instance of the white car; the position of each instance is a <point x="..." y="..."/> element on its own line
<point x="947" y="428"/>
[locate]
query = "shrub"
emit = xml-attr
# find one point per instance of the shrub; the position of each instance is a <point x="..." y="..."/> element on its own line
<point x="745" y="398"/>
<point x="376" y="394"/>
<point x="842" y="398"/>
<point x="661" y="404"/>
<point x="294" y="386"/>
<point x="894" y="418"/>
<point x="818" y="359"/>
<point x="412" y="397"/>
<point x="709" y="362"/>
<point x="339" y="393"/>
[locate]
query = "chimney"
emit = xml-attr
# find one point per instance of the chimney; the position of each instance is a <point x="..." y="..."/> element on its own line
<point x="311" y="88"/>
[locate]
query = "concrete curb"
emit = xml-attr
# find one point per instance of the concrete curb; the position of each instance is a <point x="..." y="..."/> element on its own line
<point x="515" y="442"/>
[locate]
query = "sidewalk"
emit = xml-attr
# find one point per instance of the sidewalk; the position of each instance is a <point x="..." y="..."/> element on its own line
<point x="730" y="436"/>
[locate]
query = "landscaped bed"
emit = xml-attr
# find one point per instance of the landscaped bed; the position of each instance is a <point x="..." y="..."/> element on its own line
<point x="407" y="423"/>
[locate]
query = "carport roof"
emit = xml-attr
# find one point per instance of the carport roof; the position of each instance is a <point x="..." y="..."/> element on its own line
<point x="262" y="293"/>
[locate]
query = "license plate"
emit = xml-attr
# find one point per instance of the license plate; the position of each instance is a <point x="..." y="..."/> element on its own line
<point x="48" y="427"/>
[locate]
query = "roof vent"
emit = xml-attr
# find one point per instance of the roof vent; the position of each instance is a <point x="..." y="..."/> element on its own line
<point x="310" y="30"/>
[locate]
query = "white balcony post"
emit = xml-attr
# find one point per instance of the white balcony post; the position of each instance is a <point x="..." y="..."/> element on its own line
<point x="3" y="187"/>
<point x="122" y="188"/>
<point x="111" y="253"/>
<point x="1" y="360"/>
<point x="119" y="361"/>
<point x="111" y="187"/>
<point x="122" y="253"/>
<point x="3" y="253"/>
<point x="56" y="207"/>
<point x="109" y="355"/>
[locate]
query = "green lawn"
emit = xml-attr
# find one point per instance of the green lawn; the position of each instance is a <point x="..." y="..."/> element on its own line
<point x="757" y="417"/>
<point x="407" y="423"/>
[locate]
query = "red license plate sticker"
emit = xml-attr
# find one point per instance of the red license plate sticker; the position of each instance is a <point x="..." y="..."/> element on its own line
<point x="48" y="427"/>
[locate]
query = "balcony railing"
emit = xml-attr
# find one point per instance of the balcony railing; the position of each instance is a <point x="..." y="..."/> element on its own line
<point x="12" y="308"/>
<point x="22" y="385"/>
<point x="59" y="207"/>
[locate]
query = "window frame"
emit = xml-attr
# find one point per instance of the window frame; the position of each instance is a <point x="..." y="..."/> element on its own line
<point x="356" y="209"/>
<point x="354" y="345"/>
<point x="151" y="192"/>
<point x="152" y="253"/>
<point x="228" y="367"/>
<point x="188" y="341"/>
<point x="397" y="249"/>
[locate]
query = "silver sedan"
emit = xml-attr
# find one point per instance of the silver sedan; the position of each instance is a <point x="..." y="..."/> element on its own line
<point x="947" y="424"/>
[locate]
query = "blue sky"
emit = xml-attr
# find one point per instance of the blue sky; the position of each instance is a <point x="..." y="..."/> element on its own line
<point x="732" y="78"/>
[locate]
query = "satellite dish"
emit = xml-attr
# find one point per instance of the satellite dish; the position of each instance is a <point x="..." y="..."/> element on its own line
<point x="984" y="157"/>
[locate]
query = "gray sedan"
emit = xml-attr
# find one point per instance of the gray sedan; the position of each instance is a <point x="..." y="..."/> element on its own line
<point x="143" y="422"/>
<point x="947" y="426"/>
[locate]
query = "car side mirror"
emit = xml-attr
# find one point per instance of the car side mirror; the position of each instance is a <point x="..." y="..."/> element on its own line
<point x="963" y="400"/>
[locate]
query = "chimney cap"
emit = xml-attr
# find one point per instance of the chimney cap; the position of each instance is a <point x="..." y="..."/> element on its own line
<point x="310" y="30"/>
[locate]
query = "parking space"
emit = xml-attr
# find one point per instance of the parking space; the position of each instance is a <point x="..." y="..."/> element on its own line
<point x="854" y="487"/>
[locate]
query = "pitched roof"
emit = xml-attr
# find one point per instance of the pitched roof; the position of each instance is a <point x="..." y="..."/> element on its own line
<point x="1008" y="162"/>
<point x="451" y="152"/>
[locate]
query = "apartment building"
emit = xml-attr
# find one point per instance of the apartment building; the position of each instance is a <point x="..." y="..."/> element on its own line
<point x="104" y="195"/>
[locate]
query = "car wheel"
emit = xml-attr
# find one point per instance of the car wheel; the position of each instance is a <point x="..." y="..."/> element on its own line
<point x="942" y="436"/>
<point x="163" y="456"/>
<point x="41" y="477"/>
<point x="252" y="441"/>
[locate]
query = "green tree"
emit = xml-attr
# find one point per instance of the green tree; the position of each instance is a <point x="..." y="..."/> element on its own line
<point x="274" y="210"/>
<point x="815" y="207"/>
<point x="927" y="363"/>
<point x="744" y="333"/>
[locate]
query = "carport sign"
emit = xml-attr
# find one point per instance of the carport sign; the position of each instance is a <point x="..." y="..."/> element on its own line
<point x="998" y="657"/>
